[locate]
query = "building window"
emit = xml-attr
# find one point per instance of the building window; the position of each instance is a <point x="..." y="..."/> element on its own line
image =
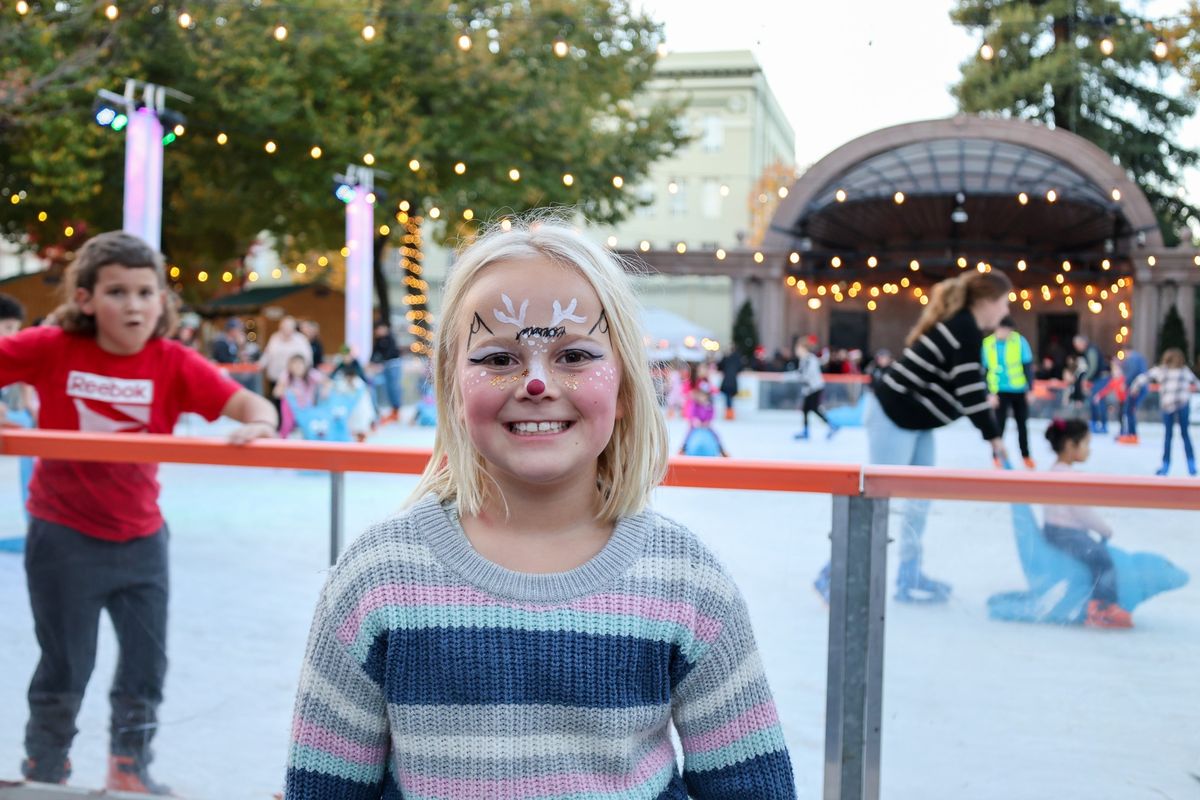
<point x="710" y="198"/>
<point x="645" y="198"/>
<point x="712" y="134"/>
<point x="679" y="204"/>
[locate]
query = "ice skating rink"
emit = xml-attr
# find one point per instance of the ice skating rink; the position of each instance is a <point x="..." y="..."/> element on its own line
<point x="972" y="708"/>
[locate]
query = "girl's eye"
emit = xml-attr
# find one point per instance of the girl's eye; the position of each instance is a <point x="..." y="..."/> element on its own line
<point x="578" y="357"/>
<point x="494" y="360"/>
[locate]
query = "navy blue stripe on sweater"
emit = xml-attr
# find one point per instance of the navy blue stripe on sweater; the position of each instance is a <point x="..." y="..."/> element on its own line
<point x="304" y="783"/>
<point x="489" y="666"/>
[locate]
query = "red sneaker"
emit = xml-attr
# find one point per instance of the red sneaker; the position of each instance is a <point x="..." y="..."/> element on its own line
<point x="1128" y="438"/>
<point x="1107" y="615"/>
<point x="1030" y="463"/>
<point x="43" y="771"/>
<point x="127" y="774"/>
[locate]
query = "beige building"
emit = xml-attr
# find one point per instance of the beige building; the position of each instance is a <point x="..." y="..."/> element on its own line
<point x="711" y="193"/>
<point x="707" y="196"/>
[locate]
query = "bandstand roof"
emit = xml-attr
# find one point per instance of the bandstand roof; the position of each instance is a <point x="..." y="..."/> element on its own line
<point x="992" y="190"/>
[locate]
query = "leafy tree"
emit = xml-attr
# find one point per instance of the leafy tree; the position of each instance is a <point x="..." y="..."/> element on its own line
<point x="1051" y="61"/>
<point x="1173" y="333"/>
<point x="745" y="332"/>
<point x="409" y="94"/>
<point x="1183" y="43"/>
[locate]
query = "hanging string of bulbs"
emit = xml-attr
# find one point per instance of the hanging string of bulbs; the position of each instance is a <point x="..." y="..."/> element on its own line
<point x="1161" y="27"/>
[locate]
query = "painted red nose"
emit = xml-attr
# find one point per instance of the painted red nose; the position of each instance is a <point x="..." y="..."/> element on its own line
<point x="535" y="387"/>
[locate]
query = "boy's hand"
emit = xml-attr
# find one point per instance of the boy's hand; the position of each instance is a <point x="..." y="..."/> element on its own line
<point x="251" y="431"/>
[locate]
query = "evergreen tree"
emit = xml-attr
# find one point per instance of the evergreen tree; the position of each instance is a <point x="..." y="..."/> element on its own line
<point x="745" y="332"/>
<point x="1173" y="333"/>
<point x="1089" y="67"/>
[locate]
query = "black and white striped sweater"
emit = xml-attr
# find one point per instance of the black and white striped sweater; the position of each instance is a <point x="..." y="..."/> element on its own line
<point x="939" y="379"/>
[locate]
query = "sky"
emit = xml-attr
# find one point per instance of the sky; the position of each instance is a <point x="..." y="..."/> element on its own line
<point x="844" y="69"/>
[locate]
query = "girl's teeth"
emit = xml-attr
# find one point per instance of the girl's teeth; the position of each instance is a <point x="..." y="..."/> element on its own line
<point x="538" y="427"/>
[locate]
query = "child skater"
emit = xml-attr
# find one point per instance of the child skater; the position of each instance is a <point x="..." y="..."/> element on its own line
<point x="1071" y="528"/>
<point x="700" y="408"/>
<point x="97" y="540"/>
<point x="1175" y="383"/>
<point x="527" y="627"/>
<point x="298" y="389"/>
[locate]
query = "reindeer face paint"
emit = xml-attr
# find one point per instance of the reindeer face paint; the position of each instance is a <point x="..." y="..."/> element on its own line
<point x="538" y="374"/>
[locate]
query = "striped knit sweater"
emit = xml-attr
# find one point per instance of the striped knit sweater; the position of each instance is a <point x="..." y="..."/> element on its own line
<point x="434" y="674"/>
<point x="939" y="379"/>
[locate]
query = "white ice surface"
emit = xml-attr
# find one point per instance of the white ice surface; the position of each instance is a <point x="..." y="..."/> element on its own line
<point x="972" y="708"/>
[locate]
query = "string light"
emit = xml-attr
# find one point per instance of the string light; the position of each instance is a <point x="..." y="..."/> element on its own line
<point x="468" y="214"/>
<point x="111" y="11"/>
<point x="42" y="216"/>
<point x="1023" y="198"/>
<point x="644" y="246"/>
<point x="315" y="152"/>
<point x="1151" y="260"/>
<point x="1107" y="45"/>
<point x="414" y="165"/>
<point x="898" y="198"/>
<point x="281" y="33"/>
<point x="178" y="130"/>
<point x="758" y="258"/>
<point x="222" y="139"/>
<point x="464" y="42"/>
<point x="1106" y="264"/>
<point x="568" y="179"/>
<point x="1161" y="50"/>
<point x="840" y="195"/>
<point x="277" y="273"/>
<point x="1116" y="195"/>
<point x="302" y="268"/>
<point x="460" y="168"/>
<point x="68" y="231"/>
<point x="1066" y="266"/>
<point x="252" y="277"/>
<point x="962" y="262"/>
<point x="618" y="181"/>
<point x="794" y="258"/>
<point x="835" y="262"/>
<point x="202" y="276"/>
<point x="914" y="265"/>
<point x="724" y="190"/>
<point x="368" y="158"/>
<point x="1021" y="265"/>
<point x="384" y="230"/>
<point x="22" y="7"/>
<point x="872" y="262"/>
<point x="681" y="248"/>
<point x="368" y="32"/>
<point x="721" y="255"/>
<point x="174" y="272"/>
<point x="673" y="187"/>
<point x="435" y="212"/>
<point x="560" y="47"/>
<point x="814" y="302"/>
<point x="987" y="52"/>
<point x="184" y="19"/>
<point x="783" y="191"/>
<point x="227" y="277"/>
<point x="270" y="147"/>
<point x="514" y="174"/>
<point x="1051" y="196"/>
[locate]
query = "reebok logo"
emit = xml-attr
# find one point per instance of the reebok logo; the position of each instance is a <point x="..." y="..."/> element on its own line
<point x="109" y="390"/>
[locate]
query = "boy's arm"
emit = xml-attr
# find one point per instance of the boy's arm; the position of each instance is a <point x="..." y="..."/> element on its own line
<point x="258" y="417"/>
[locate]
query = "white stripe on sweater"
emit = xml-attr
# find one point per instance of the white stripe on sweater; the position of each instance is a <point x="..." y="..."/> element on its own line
<point x="749" y="672"/>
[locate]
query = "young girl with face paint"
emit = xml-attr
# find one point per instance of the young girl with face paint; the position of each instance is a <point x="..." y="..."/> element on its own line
<point x="527" y="628"/>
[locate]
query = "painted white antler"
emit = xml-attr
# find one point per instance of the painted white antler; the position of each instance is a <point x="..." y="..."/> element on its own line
<point x="569" y="314"/>
<point x="512" y="317"/>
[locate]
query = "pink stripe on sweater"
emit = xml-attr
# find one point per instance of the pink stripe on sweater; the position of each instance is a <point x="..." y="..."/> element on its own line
<point x="703" y="627"/>
<point x="306" y="733"/>
<point x="756" y="719"/>
<point x="540" y="785"/>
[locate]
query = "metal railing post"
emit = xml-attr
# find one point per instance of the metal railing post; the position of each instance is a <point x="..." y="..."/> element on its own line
<point x="337" y="501"/>
<point x="854" y="693"/>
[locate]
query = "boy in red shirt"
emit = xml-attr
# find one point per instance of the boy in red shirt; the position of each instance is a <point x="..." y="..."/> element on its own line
<point x="97" y="539"/>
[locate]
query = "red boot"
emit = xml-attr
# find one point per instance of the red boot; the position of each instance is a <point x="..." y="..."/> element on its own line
<point x="46" y="771"/>
<point x="1107" y="615"/>
<point x="127" y="774"/>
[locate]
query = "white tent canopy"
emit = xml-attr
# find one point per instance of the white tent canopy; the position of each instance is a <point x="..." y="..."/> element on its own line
<point x="669" y="336"/>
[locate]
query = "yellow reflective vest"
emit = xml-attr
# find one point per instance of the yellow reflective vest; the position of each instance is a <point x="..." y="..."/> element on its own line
<point x="1014" y="366"/>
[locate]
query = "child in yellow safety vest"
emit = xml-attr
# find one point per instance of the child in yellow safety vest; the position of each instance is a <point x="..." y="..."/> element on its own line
<point x="1008" y="360"/>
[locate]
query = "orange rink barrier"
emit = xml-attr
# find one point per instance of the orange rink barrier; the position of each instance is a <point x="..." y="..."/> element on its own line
<point x="709" y="473"/>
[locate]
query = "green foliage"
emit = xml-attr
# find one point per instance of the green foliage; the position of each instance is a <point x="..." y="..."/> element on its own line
<point x="409" y="93"/>
<point x="745" y="332"/>
<point x="1173" y="333"/>
<point x="1049" y="67"/>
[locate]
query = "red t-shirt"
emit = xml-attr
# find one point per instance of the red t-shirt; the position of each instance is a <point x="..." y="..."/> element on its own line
<point x="84" y="388"/>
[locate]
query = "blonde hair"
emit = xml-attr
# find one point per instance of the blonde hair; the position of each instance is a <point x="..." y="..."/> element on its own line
<point x="634" y="461"/>
<point x="953" y="295"/>
<point x="1173" y="358"/>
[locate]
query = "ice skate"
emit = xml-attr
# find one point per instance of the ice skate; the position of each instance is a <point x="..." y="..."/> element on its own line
<point x="1029" y="463"/>
<point x="1165" y="468"/>
<point x="46" y="770"/>
<point x="913" y="586"/>
<point x="128" y="774"/>
<point x="1107" y="615"/>
<point x="821" y="584"/>
<point x="1191" y="462"/>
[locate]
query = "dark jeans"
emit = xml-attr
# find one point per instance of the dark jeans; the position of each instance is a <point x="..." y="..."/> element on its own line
<point x="1170" y="418"/>
<point x="812" y="403"/>
<point x="1099" y="405"/>
<point x="1019" y="405"/>
<point x="1129" y="412"/>
<point x="1081" y="545"/>
<point x="72" y="578"/>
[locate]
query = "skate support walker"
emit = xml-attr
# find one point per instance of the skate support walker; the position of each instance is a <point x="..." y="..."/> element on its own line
<point x="334" y="418"/>
<point x="702" y="442"/>
<point x="849" y="416"/>
<point x="1060" y="586"/>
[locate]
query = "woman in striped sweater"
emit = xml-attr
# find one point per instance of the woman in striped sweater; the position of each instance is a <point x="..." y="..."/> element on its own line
<point x="527" y="628"/>
<point x="936" y="380"/>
